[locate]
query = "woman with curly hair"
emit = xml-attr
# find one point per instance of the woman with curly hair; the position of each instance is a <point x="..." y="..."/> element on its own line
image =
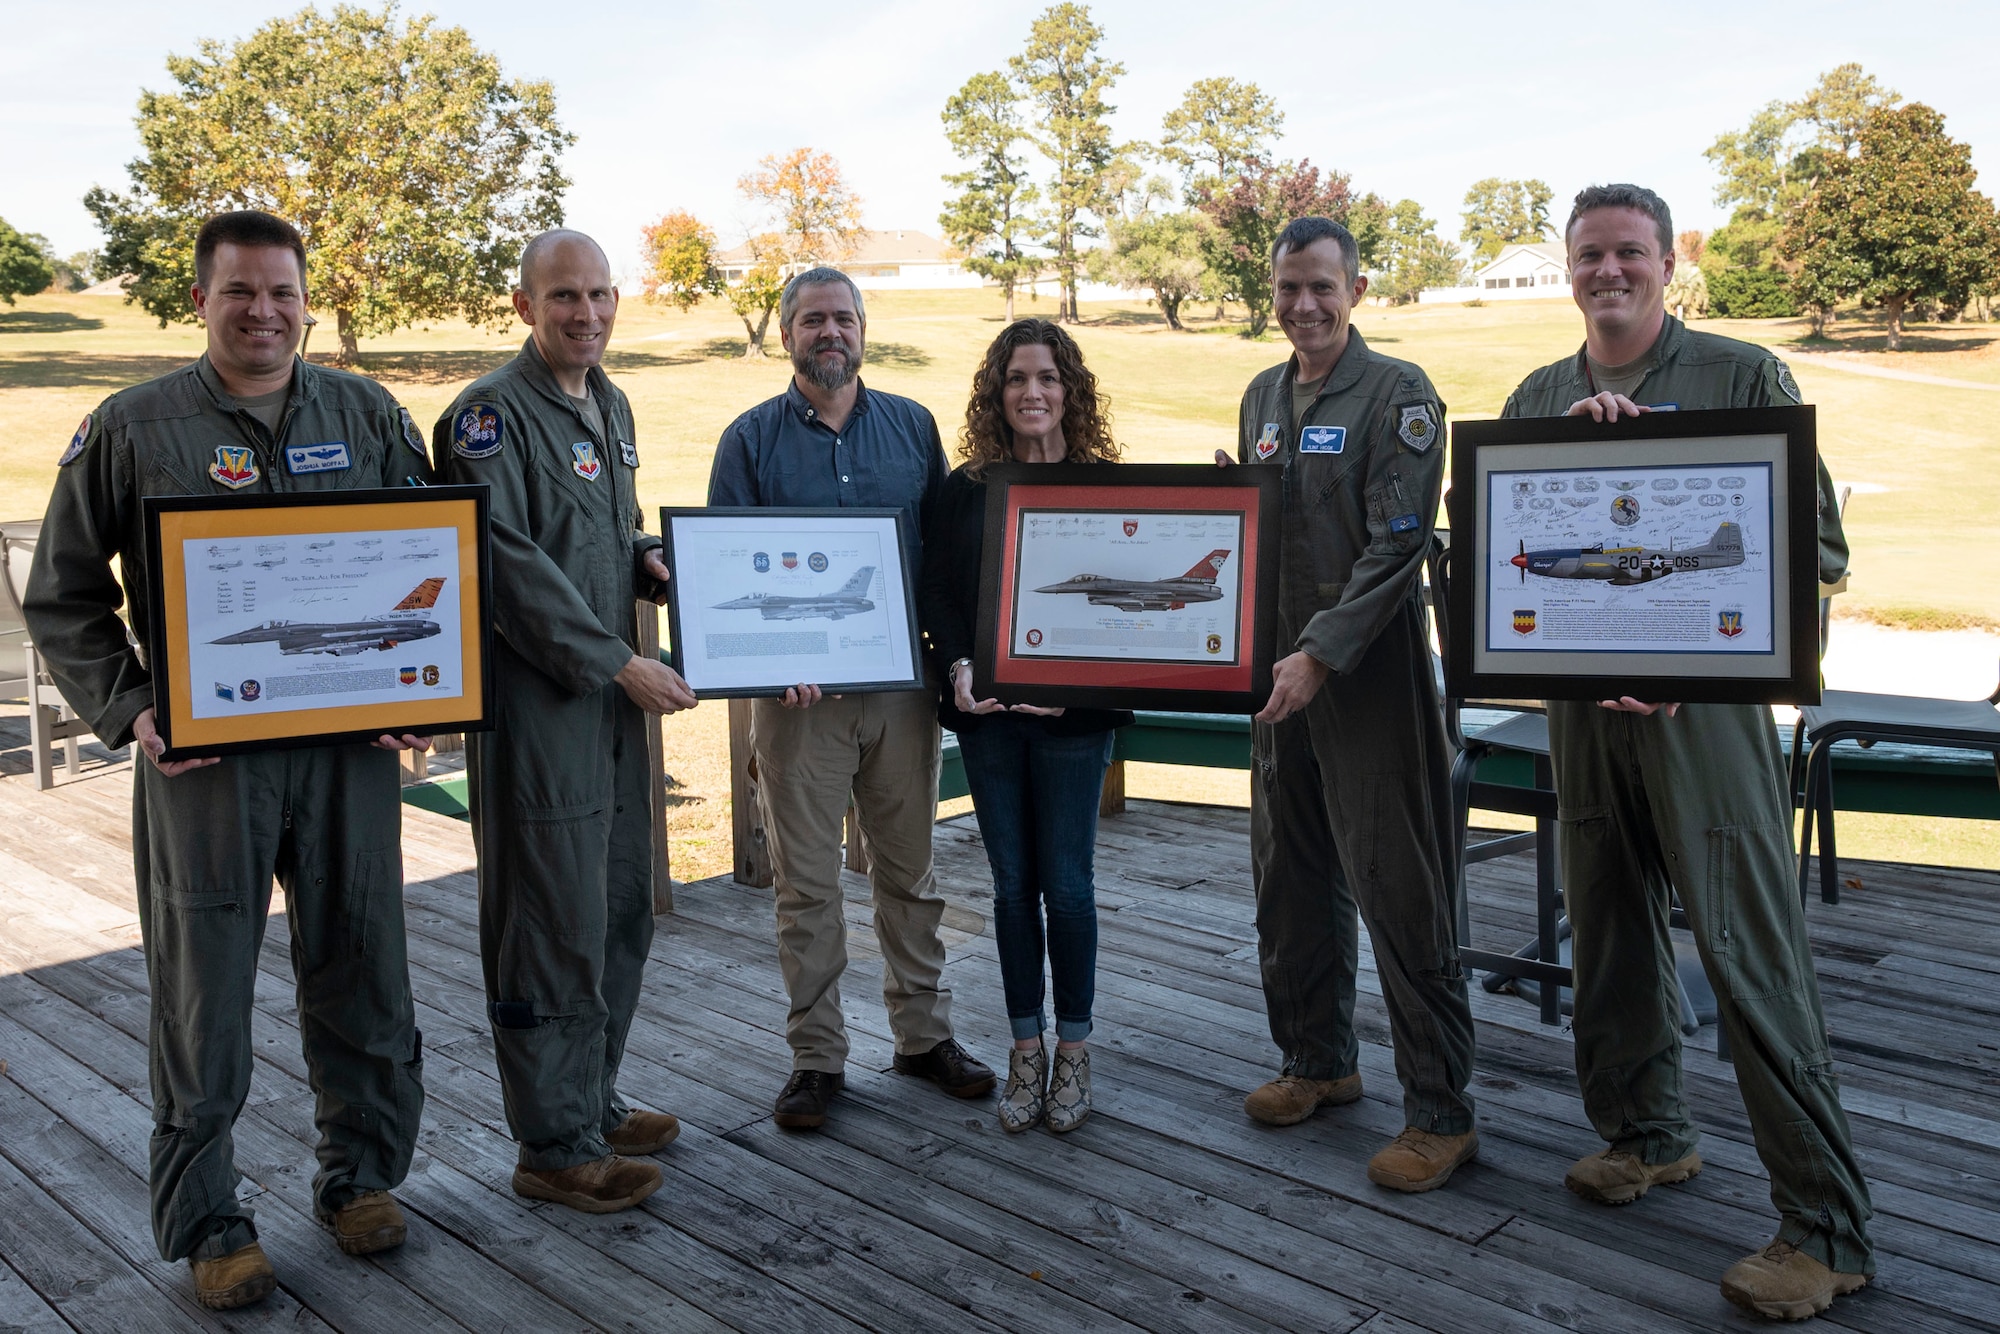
<point x="1035" y="773"/>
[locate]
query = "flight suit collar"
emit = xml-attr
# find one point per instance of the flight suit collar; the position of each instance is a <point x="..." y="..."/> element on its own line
<point x="802" y="408"/>
<point x="305" y="383"/>
<point x="535" y="370"/>
<point x="1665" y="348"/>
<point x="1346" y="372"/>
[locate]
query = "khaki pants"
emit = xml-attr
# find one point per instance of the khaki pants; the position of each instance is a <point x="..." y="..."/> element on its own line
<point x="884" y="749"/>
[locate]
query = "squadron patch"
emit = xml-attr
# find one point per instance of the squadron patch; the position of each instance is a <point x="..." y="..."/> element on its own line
<point x="476" y="431"/>
<point x="586" y="465"/>
<point x="1416" y="426"/>
<point x="412" y="436"/>
<point x="1267" y="443"/>
<point x="628" y="453"/>
<point x="1788" y="384"/>
<point x="235" y="466"/>
<point x="75" y="450"/>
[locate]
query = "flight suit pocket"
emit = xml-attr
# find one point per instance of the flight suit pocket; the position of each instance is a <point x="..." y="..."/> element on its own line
<point x="1754" y="922"/>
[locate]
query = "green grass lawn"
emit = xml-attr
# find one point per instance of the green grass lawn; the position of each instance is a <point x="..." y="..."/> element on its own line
<point x="1908" y="447"/>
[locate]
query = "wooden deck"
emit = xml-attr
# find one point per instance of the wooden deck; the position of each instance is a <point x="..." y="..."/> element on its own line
<point x="1169" y="1211"/>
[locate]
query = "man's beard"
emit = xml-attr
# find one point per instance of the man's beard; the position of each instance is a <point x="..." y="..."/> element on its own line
<point x="824" y="374"/>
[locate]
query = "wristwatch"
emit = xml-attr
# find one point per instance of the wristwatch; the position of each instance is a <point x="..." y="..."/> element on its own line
<point x="951" y="672"/>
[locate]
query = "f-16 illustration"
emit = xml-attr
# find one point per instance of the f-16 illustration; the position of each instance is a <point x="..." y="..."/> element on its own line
<point x="1197" y="585"/>
<point x="419" y="555"/>
<point x="401" y="624"/>
<point x="1623" y="566"/>
<point x="851" y="600"/>
<point x="225" y="565"/>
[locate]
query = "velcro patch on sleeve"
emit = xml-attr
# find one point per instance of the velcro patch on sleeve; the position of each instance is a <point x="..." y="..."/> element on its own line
<point x="76" y="443"/>
<point x="1417" y="425"/>
<point x="476" y="431"/>
<point x="411" y="435"/>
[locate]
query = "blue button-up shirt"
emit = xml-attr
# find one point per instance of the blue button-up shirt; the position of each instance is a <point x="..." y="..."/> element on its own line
<point x="886" y="455"/>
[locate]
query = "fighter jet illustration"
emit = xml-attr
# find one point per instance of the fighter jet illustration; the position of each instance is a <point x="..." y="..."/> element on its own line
<point x="1197" y="585"/>
<point x="1624" y="566"/>
<point x="402" y="623"/>
<point x="851" y="600"/>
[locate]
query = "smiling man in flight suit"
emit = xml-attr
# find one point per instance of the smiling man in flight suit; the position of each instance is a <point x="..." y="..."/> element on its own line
<point x="1692" y="799"/>
<point x="1351" y="805"/>
<point x="561" y="806"/>
<point x="251" y="418"/>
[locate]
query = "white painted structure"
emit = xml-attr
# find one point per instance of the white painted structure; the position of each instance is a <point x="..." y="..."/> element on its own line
<point x="1522" y="272"/>
<point x="905" y="261"/>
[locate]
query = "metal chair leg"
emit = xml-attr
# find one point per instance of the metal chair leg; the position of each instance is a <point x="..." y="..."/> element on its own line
<point x="1829" y="856"/>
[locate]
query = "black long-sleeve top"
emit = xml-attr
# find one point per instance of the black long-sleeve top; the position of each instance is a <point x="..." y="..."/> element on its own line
<point x="948" y="605"/>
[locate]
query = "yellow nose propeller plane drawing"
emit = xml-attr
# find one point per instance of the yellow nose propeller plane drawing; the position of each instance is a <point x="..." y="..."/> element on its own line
<point x="1621" y="566"/>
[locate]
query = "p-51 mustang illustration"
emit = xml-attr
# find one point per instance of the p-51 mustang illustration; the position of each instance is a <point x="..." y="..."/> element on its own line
<point x="1622" y="566"/>
<point x="401" y="624"/>
<point x="851" y="600"/>
<point x="1197" y="585"/>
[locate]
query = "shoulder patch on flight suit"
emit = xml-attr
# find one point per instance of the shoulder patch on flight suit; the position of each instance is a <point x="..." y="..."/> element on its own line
<point x="411" y="435"/>
<point x="628" y="453"/>
<point x="1267" y="443"/>
<point x="1788" y="384"/>
<point x="1416" y="426"/>
<point x="586" y="465"/>
<point x="476" y="431"/>
<point x="1322" y="439"/>
<point x="75" y="450"/>
<point x="235" y="466"/>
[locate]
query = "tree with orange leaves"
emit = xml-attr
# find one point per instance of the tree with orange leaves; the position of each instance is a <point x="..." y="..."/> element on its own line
<point x="679" y="251"/>
<point x="818" y="216"/>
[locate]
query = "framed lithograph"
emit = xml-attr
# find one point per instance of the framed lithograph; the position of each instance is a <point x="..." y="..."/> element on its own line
<point x="764" y="599"/>
<point x="1150" y="586"/>
<point x="1672" y="556"/>
<point x="288" y="620"/>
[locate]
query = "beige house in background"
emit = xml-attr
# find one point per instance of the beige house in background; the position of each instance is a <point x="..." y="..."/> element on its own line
<point x="886" y="260"/>
<point x="1524" y="271"/>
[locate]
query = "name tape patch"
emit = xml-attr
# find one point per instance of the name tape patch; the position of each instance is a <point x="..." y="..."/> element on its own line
<point x="1322" y="439"/>
<point x="628" y="453"/>
<point x="328" y="457"/>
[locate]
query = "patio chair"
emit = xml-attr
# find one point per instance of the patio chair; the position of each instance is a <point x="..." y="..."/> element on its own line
<point x="50" y="719"/>
<point x="1854" y="715"/>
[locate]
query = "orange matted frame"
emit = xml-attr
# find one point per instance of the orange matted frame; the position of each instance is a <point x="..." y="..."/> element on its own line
<point x="172" y="520"/>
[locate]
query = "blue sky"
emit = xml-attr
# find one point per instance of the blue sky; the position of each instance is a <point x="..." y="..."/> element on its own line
<point x="672" y="101"/>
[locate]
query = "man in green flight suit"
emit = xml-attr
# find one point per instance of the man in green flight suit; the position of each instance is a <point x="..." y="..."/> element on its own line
<point x="1351" y="802"/>
<point x="561" y="806"/>
<point x="1656" y="797"/>
<point x="249" y="417"/>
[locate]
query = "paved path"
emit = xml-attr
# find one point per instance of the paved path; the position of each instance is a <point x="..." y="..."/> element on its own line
<point x="1834" y="361"/>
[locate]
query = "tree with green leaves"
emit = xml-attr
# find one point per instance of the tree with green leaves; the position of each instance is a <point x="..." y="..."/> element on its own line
<point x="1066" y="77"/>
<point x="679" y="255"/>
<point x="1250" y="211"/>
<point x="1162" y="252"/>
<point x="415" y="170"/>
<point x="1499" y="213"/>
<point x="24" y="269"/>
<point x="1896" y="223"/>
<point x="756" y="294"/>
<point x="990" y="218"/>
<point x="1219" y="125"/>
<point x="1413" y="256"/>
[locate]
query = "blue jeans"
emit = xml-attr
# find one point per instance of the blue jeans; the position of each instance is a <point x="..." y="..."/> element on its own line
<point x="1036" y="799"/>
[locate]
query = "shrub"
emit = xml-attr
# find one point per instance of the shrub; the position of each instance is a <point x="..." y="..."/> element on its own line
<point x="1750" y="294"/>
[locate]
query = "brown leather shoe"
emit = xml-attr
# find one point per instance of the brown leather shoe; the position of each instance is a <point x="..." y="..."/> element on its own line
<point x="1418" y="1160"/>
<point x="368" y="1223"/>
<point x="239" y="1278"/>
<point x="602" y="1187"/>
<point x="1619" y="1176"/>
<point x="802" y="1103"/>
<point x="1782" y="1282"/>
<point x="951" y="1067"/>
<point x="1290" y="1099"/>
<point x="641" y="1133"/>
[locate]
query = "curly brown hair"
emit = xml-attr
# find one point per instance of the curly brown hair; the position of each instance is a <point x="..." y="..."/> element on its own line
<point x="1086" y="421"/>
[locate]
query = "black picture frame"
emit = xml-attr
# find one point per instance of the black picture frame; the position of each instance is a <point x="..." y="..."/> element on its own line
<point x="689" y="561"/>
<point x="1771" y="453"/>
<point x="1241" y="685"/>
<point x="247" y="518"/>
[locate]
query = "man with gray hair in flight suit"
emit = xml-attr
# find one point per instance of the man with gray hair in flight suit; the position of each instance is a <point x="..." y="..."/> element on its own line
<point x="1350" y="806"/>
<point x="561" y="805"/>
<point x="252" y="418"/>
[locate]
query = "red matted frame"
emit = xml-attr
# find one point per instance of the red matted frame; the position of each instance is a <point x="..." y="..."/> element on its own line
<point x="1241" y="686"/>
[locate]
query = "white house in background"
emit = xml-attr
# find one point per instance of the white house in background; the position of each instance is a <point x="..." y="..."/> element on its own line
<point x="1520" y="272"/>
<point x="891" y="260"/>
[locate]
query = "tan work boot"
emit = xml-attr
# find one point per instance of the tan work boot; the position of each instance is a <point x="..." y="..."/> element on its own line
<point x="602" y="1187"/>
<point x="1290" y="1099"/>
<point x="641" y="1133"/>
<point x="368" y="1223"/>
<point x="1418" y="1160"/>
<point x="237" y="1279"/>
<point x="1782" y="1282"/>
<point x="1619" y="1176"/>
